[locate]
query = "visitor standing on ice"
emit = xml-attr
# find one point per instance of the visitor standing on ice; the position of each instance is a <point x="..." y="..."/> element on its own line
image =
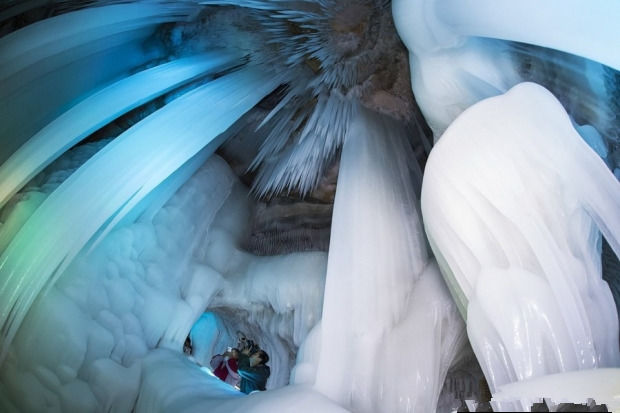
<point x="225" y="366"/>
<point x="253" y="370"/>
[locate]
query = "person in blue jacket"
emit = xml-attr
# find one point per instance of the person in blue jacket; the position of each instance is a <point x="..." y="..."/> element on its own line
<point x="253" y="370"/>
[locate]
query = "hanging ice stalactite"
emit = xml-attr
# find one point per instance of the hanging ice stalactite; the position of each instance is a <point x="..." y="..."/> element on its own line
<point x="381" y="289"/>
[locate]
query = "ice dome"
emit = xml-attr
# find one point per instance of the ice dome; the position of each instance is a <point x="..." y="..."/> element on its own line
<point x="411" y="205"/>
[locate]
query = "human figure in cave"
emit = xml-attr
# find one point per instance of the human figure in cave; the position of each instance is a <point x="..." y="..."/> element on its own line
<point x="253" y="370"/>
<point x="225" y="366"/>
<point x="187" y="346"/>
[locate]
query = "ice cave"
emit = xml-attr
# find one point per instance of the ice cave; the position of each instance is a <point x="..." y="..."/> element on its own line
<point x="410" y="205"/>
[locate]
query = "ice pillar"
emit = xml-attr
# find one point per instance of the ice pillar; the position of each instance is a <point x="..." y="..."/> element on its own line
<point x="373" y="357"/>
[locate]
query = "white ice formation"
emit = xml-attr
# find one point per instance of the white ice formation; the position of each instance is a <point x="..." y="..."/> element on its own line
<point x="598" y="385"/>
<point x="157" y="279"/>
<point x="121" y="232"/>
<point x="381" y="289"/>
<point x="516" y="233"/>
<point x="457" y="59"/>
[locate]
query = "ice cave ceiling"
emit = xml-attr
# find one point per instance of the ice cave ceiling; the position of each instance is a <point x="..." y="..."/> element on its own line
<point x="407" y="203"/>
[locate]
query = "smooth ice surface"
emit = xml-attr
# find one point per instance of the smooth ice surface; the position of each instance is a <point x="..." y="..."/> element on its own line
<point x="97" y="110"/>
<point x="377" y="270"/>
<point x="461" y="54"/>
<point x="116" y="180"/>
<point x="587" y="30"/>
<point x="602" y="385"/>
<point x="513" y="200"/>
<point x="188" y="388"/>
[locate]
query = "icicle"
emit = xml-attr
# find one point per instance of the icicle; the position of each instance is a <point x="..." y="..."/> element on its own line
<point x="252" y="4"/>
<point x="97" y="110"/>
<point x="428" y="25"/>
<point x="36" y="43"/>
<point x="302" y="158"/>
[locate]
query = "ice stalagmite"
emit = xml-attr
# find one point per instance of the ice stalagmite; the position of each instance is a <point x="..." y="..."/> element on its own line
<point x="389" y="327"/>
<point x="513" y="201"/>
<point x="116" y="179"/>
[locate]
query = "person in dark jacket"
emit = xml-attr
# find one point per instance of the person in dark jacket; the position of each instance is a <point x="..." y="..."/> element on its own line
<point x="253" y="370"/>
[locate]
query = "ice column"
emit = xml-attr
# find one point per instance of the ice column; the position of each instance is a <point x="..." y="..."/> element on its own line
<point x="513" y="200"/>
<point x="389" y="327"/>
<point x="49" y="64"/>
